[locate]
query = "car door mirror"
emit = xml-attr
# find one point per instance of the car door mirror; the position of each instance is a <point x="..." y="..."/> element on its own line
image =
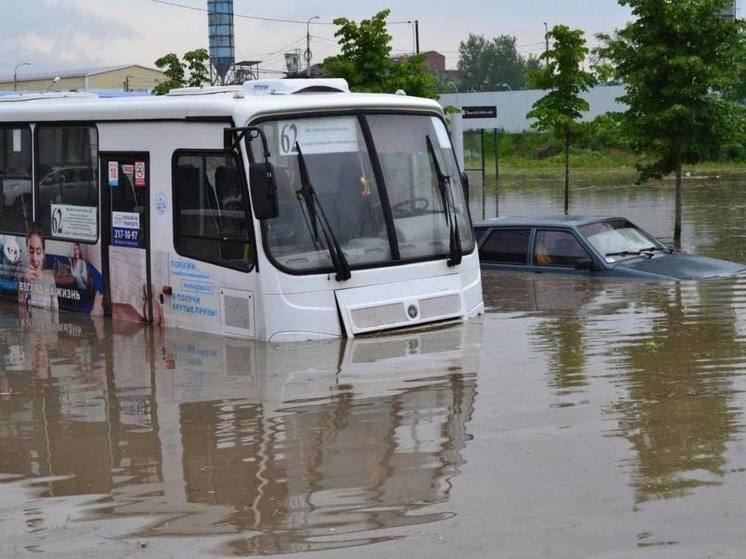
<point x="586" y="264"/>
<point x="263" y="190"/>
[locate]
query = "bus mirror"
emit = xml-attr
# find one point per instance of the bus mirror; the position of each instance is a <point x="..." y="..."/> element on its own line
<point x="263" y="191"/>
<point x="229" y="137"/>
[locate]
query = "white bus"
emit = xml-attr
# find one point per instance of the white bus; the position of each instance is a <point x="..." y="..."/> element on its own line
<point x="280" y="210"/>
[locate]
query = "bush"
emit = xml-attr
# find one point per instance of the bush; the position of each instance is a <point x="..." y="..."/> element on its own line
<point x="733" y="152"/>
<point x="547" y="150"/>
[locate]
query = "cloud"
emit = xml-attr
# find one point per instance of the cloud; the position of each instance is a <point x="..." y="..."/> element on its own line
<point x="64" y="34"/>
<point x="37" y="44"/>
<point x="54" y="34"/>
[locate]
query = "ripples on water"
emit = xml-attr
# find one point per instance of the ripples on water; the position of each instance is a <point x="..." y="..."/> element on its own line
<point x="609" y="419"/>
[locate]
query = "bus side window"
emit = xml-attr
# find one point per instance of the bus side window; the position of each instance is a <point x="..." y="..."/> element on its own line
<point x="67" y="163"/>
<point x="211" y="221"/>
<point x="16" y="211"/>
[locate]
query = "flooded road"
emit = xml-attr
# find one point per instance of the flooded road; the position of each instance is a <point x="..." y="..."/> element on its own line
<point x="577" y="418"/>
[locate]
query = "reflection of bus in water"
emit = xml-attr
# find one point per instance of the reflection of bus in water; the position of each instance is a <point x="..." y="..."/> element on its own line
<point x="185" y="431"/>
<point x="280" y="210"/>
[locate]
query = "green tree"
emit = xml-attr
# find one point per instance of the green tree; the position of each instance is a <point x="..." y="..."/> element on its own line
<point x="679" y="62"/>
<point x="365" y="60"/>
<point x="491" y="64"/>
<point x="508" y="66"/>
<point x="740" y="92"/>
<point x="562" y="107"/>
<point x="173" y="69"/>
<point x="532" y="66"/>
<point x="196" y="62"/>
<point x="365" y="54"/>
<point x="190" y="71"/>
<point x="411" y="75"/>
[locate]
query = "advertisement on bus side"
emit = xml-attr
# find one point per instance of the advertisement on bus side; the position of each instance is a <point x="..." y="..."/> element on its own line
<point x="37" y="272"/>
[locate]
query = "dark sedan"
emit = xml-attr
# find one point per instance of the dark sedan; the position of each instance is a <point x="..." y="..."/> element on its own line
<point x="610" y="246"/>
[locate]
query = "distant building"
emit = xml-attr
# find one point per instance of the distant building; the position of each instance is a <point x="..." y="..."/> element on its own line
<point x="131" y="77"/>
<point x="435" y="61"/>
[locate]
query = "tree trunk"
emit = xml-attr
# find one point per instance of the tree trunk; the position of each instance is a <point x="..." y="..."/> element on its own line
<point x="567" y="174"/>
<point x="677" y="218"/>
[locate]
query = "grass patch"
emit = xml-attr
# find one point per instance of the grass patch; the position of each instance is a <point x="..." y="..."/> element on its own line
<point x="591" y="162"/>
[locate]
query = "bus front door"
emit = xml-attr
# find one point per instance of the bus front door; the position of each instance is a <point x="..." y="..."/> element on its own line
<point x="125" y="243"/>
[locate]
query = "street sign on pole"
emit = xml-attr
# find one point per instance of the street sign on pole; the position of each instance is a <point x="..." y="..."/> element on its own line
<point x="479" y="112"/>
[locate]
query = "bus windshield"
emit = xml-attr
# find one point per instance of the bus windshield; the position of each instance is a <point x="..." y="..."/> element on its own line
<point x="408" y="215"/>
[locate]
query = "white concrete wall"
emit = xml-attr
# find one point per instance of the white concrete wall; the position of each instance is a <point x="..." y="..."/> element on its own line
<point x="512" y="106"/>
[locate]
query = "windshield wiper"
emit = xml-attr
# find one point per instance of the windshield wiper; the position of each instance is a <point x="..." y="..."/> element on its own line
<point x="455" y="252"/>
<point x="317" y="215"/>
<point x="638" y="252"/>
<point x="624" y="253"/>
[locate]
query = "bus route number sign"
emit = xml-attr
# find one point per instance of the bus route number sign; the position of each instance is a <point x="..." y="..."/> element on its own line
<point x="288" y="138"/>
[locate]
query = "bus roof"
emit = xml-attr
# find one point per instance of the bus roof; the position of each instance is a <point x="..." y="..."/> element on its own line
<point x="241" y="103"/>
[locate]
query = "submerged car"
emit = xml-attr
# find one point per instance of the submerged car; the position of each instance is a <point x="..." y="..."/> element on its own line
<point x="611" y="246"/>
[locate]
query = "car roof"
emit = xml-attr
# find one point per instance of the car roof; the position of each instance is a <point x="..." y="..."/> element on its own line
<point x="542" y="221"/>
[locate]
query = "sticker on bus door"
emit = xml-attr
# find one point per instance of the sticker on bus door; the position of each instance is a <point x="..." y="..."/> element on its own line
<point x="125" y="229"/>
<point x="113" y="174"/>
<point x="128" y="170"/>
<point x="139" y="174"/>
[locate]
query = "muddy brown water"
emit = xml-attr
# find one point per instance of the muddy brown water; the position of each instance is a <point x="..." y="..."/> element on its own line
<point x="576" y="418"/>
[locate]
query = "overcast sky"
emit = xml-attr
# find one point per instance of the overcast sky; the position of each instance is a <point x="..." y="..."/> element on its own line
<point x="59" y="34"/>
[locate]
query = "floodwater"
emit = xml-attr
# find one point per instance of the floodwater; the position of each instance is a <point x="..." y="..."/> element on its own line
<point x="577" y="418"/>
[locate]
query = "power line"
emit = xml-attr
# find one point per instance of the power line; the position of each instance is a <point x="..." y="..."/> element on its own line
<point x="243" y="16"/>
<point x="257" y="18"/>
<point x="324" y="39"/>
<point x="274" y="52"/>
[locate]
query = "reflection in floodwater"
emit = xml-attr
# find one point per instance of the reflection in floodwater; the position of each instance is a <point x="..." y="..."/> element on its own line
<point x="562" y="338"/>
<point x="561" y="301"/>
<point x="675" y="364"/>
<point x="609" y="419"/>
<point x="275" y="447"/>
<point x="679" y="414"/>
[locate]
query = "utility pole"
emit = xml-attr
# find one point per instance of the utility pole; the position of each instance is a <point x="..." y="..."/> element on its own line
<point x="307" y="54"/>
<point x="417" y="36"/>
<point x="546" y="37"/>
<point x="15" y="74"/>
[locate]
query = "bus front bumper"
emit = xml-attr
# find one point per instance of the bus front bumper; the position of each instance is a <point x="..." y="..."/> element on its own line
<point x="409" y="303"/>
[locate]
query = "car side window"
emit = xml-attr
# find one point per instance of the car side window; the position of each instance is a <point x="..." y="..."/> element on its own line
<point x="558" y="248"/>
<point x="506" y="246"/>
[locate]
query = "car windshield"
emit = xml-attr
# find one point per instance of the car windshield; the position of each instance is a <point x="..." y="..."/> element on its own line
<point x="407" y="217"/>
<point x="617" y="239"/>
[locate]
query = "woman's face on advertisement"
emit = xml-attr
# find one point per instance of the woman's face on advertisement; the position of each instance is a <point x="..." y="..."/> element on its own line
<point x="36" y="252"/>
<point x="76" y="251"/>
